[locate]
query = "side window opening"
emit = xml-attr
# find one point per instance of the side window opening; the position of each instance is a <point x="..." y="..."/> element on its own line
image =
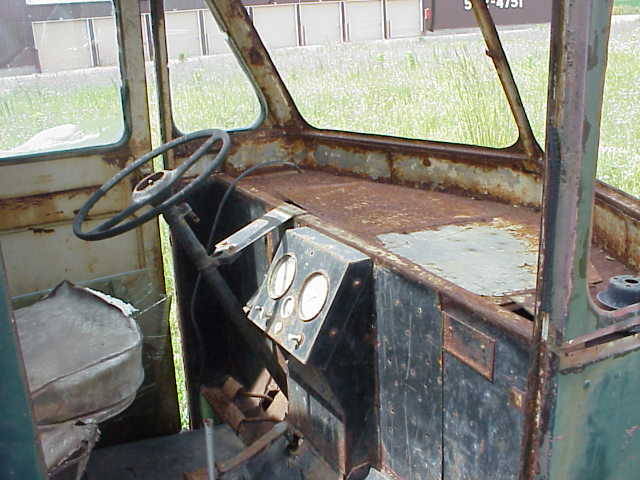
<point x="401" y="89"/>
<point x="209" y="89"/>
<point x="619" y="157"/>
<point x="350" y="66"/>
<point x="60" y="84"/>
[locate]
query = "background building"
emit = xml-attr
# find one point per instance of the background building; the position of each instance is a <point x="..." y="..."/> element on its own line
<point x="56" y="35"/>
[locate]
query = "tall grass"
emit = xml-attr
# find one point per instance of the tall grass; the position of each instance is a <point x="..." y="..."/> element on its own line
<point x="625" y="7"/>
<point x="33" y="105"/>
<point x="212" y="92"/>
<point x="439" y="87"/>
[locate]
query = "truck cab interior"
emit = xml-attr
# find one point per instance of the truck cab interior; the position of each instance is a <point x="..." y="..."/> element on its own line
<point x="350" y="305"/>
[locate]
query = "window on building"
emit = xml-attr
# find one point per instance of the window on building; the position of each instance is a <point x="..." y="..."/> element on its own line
<point x="60" y="84"/>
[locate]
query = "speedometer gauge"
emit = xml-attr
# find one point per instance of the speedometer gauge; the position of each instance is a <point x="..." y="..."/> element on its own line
<point x="313" y="295"/>
<point x="281" y="276"/>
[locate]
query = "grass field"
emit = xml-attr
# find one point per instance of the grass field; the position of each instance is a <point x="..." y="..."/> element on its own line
<point x="624" y="7"/>
<point x="440" y="87"/>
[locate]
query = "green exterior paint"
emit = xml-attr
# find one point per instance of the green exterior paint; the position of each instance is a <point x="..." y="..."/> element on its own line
<point x="597" y="430"/>
<point x="20" y="455"/>
<point x="581" y="318"/>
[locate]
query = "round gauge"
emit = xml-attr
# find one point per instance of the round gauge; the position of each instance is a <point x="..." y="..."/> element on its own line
<point x="281" y="276"/>
<point x="313" y="295"/>
<point x="287" y="307"/>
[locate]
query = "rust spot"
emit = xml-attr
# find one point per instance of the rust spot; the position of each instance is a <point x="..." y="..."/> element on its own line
<point x="118" y="158"/>
<point x="42" y="230"/>
<point x="36" y="209"/>
<point x="470" y="346"/>
<point x="509" y="157"/>
<point x="517" y="399"/>
<point x="187" y="149"/>
<point x="255" y="57"/>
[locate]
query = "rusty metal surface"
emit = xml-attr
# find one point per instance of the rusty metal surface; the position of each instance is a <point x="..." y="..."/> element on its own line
<point x="616" y="227"/>
<point x="369" y="209"/>
<point x="580" y="32"/>
<point x="243" y="411"/>
<point x="617" y="330"/>
<point x="576" y="358"/>
<point x="470" y="346"/>
<point x="517" y="399"/>
<point x="223" y="407"/>
<point x="501" y="175"/>
<point x="483" y="427"/>
<point x="253" y="450"/>
<point x="50" y="208"/>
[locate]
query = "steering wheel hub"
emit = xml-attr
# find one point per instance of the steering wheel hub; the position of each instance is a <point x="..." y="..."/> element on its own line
<point x="154" y="188"/>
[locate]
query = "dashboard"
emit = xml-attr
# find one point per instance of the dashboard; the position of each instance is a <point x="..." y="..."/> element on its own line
<point x="307" y="296"/>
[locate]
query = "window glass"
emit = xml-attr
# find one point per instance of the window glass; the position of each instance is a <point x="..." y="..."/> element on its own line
<point x="619" y="159"/>
<point x="344" y="76"/>
<point x="527" y="49"/>
<point x="209" y="89"/>
<point x="59" y="77"/>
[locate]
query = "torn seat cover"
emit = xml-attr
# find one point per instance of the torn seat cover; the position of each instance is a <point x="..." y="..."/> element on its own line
<point x="82" y="353"/>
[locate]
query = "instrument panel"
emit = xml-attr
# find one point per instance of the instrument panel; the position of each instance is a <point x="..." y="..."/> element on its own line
<point x="311" y="288"/>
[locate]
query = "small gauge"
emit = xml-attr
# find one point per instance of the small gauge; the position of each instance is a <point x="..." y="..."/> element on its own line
<point x="287" y="307"/>
<point x="313" y="295"/>
<point x="281" y="276"/>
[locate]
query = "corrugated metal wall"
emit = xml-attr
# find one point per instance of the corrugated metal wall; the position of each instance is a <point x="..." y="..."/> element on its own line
<point x="87" y="42"/>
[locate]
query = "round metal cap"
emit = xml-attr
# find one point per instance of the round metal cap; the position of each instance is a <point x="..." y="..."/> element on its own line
<point x="622" y="291"/>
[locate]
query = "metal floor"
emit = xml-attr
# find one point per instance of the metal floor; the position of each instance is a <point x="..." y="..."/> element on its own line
<point x="163" y="458"/>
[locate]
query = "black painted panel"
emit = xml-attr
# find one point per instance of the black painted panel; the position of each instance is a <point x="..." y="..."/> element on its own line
<point x="409" y="376"/>
<point x="483" y="423"/>
<point x="336" y="410"/>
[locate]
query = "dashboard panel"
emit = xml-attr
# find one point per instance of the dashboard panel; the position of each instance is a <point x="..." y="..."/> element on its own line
<point x="309" y="292"/>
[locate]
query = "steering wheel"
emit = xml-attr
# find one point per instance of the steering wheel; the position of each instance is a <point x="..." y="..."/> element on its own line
<point x="155" y="189"/>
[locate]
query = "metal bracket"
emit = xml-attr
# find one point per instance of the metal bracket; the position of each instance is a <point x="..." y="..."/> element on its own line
<point x="226" y="250"/>
<point x="470" y="346"/>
